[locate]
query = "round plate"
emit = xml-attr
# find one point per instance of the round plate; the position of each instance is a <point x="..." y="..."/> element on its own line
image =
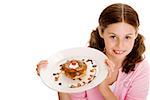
<point x="96" y="72"/>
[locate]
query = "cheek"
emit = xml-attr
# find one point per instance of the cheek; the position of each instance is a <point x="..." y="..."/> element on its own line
<point x="109" y="43"/>
<point x="131" y="45"/>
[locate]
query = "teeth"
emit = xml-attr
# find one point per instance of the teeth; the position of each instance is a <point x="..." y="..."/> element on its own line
<point x="118" y="51"/>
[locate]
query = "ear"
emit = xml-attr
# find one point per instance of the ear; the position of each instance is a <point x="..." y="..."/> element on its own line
<point x="100" y="31"/>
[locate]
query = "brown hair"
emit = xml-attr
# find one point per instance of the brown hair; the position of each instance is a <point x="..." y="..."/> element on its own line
<point x="120" y="13"/>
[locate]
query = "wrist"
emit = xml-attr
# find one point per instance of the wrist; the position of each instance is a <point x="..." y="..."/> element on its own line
<point x="106" y="92"/>
<point x="103" y="85"/>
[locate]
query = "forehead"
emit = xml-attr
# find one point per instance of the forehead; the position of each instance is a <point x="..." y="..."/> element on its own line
<point x="120" y="28"/>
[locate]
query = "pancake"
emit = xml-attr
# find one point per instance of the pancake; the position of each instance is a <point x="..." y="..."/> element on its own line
<point x="74" y="69"/>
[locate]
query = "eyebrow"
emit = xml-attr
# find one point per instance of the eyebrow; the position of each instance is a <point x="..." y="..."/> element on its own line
<point x="116" y="34"/>
<point x="111" y="33"/>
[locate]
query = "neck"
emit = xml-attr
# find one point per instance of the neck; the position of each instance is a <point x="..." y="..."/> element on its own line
<point x="117" y="62"/>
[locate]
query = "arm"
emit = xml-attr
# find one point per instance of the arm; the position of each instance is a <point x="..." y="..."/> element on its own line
<point x="106" y="92"/>
<point x="43" y="64"/>
<point x="140" y="84"/>
<point x="63" y="96"/>
<point x="110" y="79"/>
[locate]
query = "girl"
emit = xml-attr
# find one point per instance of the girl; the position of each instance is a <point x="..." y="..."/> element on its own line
<point x="117" y="36"/>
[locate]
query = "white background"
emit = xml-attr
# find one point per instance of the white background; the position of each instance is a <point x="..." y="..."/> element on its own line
<point x="32" y="30"/>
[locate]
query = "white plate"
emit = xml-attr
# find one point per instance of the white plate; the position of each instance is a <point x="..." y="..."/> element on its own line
<point x="64" y="84"/>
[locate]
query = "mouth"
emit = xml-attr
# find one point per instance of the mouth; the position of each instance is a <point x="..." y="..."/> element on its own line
<point x="119" y="52"/>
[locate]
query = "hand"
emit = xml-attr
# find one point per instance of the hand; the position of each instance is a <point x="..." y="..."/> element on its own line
<point x="112" y="73"/>
<point x="110" y="79"/>
<point x="40" y="65"/>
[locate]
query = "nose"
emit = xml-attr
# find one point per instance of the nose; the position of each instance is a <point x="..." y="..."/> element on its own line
<point x="120" y="43"/>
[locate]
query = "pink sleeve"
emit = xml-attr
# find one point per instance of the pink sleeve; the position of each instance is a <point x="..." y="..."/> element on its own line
<point x="78" y="96"/>
<point x="140" y="85"/>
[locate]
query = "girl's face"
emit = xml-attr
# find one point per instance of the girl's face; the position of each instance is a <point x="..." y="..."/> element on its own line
<point x="119" y="40"/>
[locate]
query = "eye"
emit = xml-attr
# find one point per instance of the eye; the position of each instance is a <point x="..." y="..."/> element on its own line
<point x="113" y="37"/>
<point x="128" y="37"/>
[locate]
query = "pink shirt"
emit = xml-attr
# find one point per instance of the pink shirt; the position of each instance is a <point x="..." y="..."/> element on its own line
<point x="132" y="86"/>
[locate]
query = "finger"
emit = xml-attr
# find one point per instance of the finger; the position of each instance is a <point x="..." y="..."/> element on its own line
<point x="110" y="64"/>
<point x="40" y="65"/>
<point x="43" y="61"/>
<point x="109" y="72"/>
<point x="37" y="70"/>
<point x="38" y="74"/>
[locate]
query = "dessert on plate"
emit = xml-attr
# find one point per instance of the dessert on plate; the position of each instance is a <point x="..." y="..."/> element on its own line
<point x="74" y="69"/>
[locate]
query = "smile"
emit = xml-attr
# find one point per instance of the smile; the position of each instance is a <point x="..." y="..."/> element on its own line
<point x="119" y="52"/>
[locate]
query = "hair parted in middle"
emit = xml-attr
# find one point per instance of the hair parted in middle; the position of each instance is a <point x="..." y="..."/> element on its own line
<point x="115" y="13"/>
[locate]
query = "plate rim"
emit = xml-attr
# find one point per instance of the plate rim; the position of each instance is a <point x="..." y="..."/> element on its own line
<point x="75" y="90"/>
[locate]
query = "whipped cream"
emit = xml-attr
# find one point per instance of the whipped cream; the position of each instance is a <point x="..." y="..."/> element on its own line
<point x="74" y="65"/>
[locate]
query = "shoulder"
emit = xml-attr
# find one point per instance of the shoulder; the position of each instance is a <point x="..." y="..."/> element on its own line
<point x="139" y="77"/>
<point x="142" y="69"/>
<point x="144" y="65"/>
